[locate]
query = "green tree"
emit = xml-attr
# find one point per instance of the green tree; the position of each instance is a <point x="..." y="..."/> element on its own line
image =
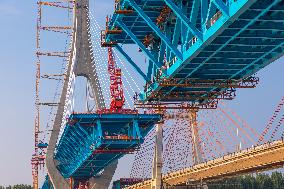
<point x="22" y="186"/>
<point x="277" y="180"/>
<point x="260" y="181"/>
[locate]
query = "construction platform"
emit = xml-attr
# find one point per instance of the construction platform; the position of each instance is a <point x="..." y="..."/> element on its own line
<point x="223" y="41"/>
<point x="90" y="142"/>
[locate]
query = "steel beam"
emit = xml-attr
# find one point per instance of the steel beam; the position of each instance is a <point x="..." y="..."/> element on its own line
<point x="184" y="19"/>
<point x="222" y="7"/>
<point x="193" y="19"/>
<point x="139" y="43"/>
<point x="132" y="63"/>
<point x="155" y="28"/>
<point x="204" y="11"/>
<point x="232" y="38"/>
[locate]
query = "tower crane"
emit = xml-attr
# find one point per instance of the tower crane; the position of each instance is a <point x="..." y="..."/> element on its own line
<point x="116" y="90"/>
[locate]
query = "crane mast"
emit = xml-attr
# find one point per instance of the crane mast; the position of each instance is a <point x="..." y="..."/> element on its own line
<point x="116" y="90"/>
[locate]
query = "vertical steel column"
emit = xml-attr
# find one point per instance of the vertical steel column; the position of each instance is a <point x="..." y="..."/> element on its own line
<point x="71" y="182"/>
<point x="158" y="161"/>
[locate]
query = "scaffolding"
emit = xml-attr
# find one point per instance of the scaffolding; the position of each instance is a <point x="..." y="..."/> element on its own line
<point x="40" y="147"/>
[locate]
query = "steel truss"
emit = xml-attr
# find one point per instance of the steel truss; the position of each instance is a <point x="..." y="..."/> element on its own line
<point x="199" y="39"/>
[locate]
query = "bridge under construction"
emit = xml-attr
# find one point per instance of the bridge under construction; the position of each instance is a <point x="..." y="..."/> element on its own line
<point x="168" y="111"/>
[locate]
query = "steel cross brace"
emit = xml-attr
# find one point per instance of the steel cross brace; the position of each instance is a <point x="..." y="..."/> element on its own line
<point x="155" y="28"/>
<point x="136" y="131"/>
<point x="99" y="127"/>
<point x="232" y="38"/>
<point x="177" y="33"/>
<point x="193" y="18"/>
<point x="184" y="19"/>
<point x="136" y="67"/>
<point x="139" y="43"/>
<point x="222" y="6"/>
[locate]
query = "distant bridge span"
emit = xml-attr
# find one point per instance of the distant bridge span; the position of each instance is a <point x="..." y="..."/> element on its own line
<point x="259" y="158"/>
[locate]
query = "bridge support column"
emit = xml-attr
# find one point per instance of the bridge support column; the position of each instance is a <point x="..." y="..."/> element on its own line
<point x="158" y="161"/>
<point x="71" y="183"/>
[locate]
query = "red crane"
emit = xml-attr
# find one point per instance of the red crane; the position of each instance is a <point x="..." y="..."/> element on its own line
<point x="116" y="90"/>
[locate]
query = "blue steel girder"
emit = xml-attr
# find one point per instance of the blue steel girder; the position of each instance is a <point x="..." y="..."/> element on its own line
<point x="222" y="6"/>
<point x="89" y="137"/>
<point x="67" y="149"/>
<point x="132" y="63"/>
<point x="139" y="43"/>
<point x="87" y="159"/>
<point x="239" y="37"/>
<point x="162" y="52"/>
<point x="230" y="49"/>
<point x="196" y="5"/>
<point x="184" y="19"/>
<point x="177" y="32"/>
<point x="99" y="129"/>
<point x="155" y="28"/>
<point x="204" y="11"/>
<point x="184" y="28"/>
<point x="238" y="33"/>
<point x="79" y="138"/>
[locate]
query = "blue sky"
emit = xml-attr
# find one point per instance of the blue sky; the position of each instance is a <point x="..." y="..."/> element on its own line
<point x="17" y="73"/>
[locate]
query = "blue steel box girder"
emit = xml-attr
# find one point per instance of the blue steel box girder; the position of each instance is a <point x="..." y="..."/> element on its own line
<point x="238" y="37"/>
<point x="92" y="141"/>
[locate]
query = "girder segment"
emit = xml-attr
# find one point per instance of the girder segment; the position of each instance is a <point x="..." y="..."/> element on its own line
<point x="97" y="140"/>
<point x="238" y="38"/>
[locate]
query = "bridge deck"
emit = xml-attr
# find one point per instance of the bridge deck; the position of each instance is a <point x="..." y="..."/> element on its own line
<point x="233" y="46"/>
<point x="92" y="141"/>
<point x="259" y="158"/>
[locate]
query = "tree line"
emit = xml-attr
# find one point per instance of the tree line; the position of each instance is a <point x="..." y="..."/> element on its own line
<point x="18" y="186"/>
<point x="258" y="181"/>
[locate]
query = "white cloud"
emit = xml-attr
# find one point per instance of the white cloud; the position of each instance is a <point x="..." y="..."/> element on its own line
<point x="8" y="9"/>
